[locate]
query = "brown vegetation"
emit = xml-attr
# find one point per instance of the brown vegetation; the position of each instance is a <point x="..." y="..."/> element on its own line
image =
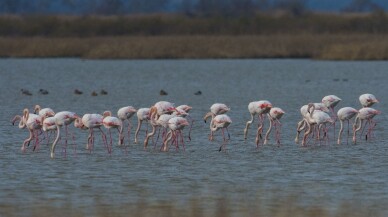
<point x="338" y="47"/>
<point x="319" y="36"/>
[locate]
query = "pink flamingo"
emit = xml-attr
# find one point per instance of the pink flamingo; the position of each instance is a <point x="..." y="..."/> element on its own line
<point x="33" y="123"/>
<point x="365" y="114"/>
<point x="345" y="114"/>
<point x="48" y="126"/>
<point x="315" y="117"/>
<point x="176" y="125"/>
<point x="160" y="108"/>
<point x="259" y="108"/>
<point x="143" y="114"/>
<point x="303" y="111"/>
<point x="113" y="122"/>
<point x="92" y="121"/>
<point x="45" y="112"/>
<point x="125" y="113"/>
<point x="367" y="100"/>
<point x="221" y="122"/>
<point x="215" y="109"/>
<point x="63" y="118"/>
<point x="274" y="116"/>
<point x="330" y="102"/>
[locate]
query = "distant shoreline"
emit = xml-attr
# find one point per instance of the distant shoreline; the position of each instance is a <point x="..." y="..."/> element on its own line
<point x="315" y="46"/>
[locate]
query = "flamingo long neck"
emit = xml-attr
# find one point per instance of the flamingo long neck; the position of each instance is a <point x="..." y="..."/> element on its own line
<point x="26" y="115"/>
<point x="209" y="114"/>
<point x="55" y="141"/>
<point x="21" y="123"/>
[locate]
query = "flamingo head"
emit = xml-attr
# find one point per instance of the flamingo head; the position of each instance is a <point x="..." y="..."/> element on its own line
<point x="106" y="114"/>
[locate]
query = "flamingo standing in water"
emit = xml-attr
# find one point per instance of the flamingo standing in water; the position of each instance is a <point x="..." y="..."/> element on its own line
<point x="33" y="123"/>
<point x="125" y="113"/>
<point x="315" y="117"/>
<point x="63" y="118"/>
<point x="92" y="121"/>
<point x="215" y="109"/>
<point x="345" y="114"/>
<point x="274" y="116"/>
<point x="160" y="108"/>
<point x="221" y="122"/>
<point x="143" y="114"/>
<point x="330" y="102"/>
<point x="257" y="108"/>
<point x="176" y="125"/>
<point x="113" y="122"/>
<point x="367" y="100"/>
<point x="365" y="114"/>
<point x="45" y="112"/>
<point x="304" y="112"/>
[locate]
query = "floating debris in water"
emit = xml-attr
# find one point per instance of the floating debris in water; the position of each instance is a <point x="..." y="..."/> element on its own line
<point x="163" y="92"/>
<point x="198" y="93"/>
<point x="103" y="92"/>
<point x="94" y="93"/>
<point x="26" y="92"/>
<point x="78" y="92"/>
<point x="43" y="91"/>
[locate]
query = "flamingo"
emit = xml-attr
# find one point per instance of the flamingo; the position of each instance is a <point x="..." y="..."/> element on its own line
<point x="176" y="125"/>
<point x="364" y="114"/>
<point x="92" y="121"/>
<point x="304" y="111"/>
<point x="160" y="108"/>
<point x="45" y="112"/>
<point x="215" y="109"/>
<point x="221" y="122"/>
<point x="113" y="122"/>
<point x="345" y="114"/>
<point x="257" y="108"/>
<point x="367" y="100"/>
<point x="274" y="116"/>
<point x="315" y="117"/>
<point x="33" y="123"/>
<point x="63" y="118"/>
<point x="48" y="125"/>
<point x="125" y="113"/>
<point x="330" y="102"/>
<point x="142" y="115"/>
<point x="185" y="108"/>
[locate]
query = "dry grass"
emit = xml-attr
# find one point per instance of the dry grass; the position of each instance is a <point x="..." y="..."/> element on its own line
<point x="326" y="46"/>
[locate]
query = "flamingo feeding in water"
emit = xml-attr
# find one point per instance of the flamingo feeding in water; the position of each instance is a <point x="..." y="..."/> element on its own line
<point x="315" y="117"/>
<point x="220" y="122"/>
<point x="33" y="123"/>
<point x="274" y="116"/>
<point x="142" y="114"/>
<point x="45" y="112"/>
<point x="92" y="121"/>
<point x="215" y="109"/>
<point x="113" y="122"/>
<point x="367" y="100"/>
<point x="176" y="125"/>
<point x="365" y="114"/>
<point x="63" y="118"/>
<point x="125" y="113"/>
<point x="345" y="114"/>
<point x="257" y="108"/>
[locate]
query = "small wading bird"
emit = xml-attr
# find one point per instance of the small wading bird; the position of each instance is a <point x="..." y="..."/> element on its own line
<point x="259" y="108"/>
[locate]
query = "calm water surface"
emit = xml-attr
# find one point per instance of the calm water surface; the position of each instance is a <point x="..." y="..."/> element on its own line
<point x="244" y="178"/>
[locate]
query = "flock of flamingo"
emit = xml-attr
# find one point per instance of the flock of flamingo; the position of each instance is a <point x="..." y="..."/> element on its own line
<point x="172" y="120"/>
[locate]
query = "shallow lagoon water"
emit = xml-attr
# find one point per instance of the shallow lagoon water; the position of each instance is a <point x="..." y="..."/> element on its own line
<point x="244" y="179"/>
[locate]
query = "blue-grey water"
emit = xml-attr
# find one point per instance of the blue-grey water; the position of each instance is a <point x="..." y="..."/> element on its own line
<point x="242" y="181"/>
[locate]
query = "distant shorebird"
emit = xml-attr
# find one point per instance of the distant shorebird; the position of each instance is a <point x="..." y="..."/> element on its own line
<point x="163" y="92"/>
<point x="78" y="92"/>
<point x="103" y="92"/>
<point x="94" y="93"/>
<point x="198" y="93"/>
<point x="26" y="92"/>
<point x="43" y="91"/>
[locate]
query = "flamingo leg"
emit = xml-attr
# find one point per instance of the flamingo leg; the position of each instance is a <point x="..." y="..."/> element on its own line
<point x="340" y="131"/>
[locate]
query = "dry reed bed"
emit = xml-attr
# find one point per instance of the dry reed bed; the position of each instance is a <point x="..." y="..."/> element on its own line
<point x="324" y="46"/>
